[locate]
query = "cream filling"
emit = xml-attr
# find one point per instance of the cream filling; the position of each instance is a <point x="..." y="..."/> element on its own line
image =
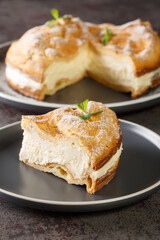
<point x="71" y="70"/>
<point x="120" y="72"/>
<point x="67" y="152"/>
<point x="141" y="82"/>
<point x="117" y="73"/>
<point x="111" y="163"/>
<point x="21" y="79"/>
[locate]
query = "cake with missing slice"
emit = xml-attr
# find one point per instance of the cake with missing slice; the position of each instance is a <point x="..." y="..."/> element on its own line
<point x="82" y="146"/>
<point x="50" y="57"/>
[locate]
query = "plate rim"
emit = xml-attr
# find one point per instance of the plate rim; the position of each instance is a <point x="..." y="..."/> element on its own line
<point x="36" y="103"/>
<point x="87" y="203"/>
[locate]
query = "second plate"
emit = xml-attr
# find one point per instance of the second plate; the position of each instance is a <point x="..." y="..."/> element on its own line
<point x="138" y="175"/>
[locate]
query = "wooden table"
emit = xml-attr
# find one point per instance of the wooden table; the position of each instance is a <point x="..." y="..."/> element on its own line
<point x="138" y="221"/>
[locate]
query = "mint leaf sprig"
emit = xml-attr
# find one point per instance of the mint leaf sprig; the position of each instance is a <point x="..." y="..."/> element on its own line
<point x="57" y="18"/>
<point x="107" y="36"/>
<point x="83" y="106"/>
<point x="88" y="115"/>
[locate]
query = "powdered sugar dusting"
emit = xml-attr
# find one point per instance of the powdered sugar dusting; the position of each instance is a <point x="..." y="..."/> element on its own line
<point x="51" y="52"/>
<point x="71" y="29"/>
<point x="37" y="118"/>
<point x="98" y="134"/>
<point x="139" y="29"/>
<point x="127" y="48"/>
<point x="136" y="37"/>
<point x="56" y="29"/>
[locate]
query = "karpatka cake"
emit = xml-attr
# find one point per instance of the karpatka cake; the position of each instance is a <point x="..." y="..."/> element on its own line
<point x="82" y="146"/>
<point x="61" y="52"/>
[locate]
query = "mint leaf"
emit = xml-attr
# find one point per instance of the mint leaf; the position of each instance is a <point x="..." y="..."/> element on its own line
<point x="104" y="41"/>
<point x="57" y="18"/>
<point x="55" y="13"/>
<point x="85" y="117"/>
<point x="107" y="36"/>
<point x="88" y="115"/>
<point x="83" y="106"/>
<point x="97" y="112"/>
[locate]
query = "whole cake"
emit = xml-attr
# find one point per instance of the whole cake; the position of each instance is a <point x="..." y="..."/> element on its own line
<point x="82" y="146"/>
<point x="61" y="52"/>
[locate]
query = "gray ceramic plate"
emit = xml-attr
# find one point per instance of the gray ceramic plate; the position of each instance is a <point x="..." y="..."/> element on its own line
<point x="87" y="88"/>
<point x="137" y="177"/>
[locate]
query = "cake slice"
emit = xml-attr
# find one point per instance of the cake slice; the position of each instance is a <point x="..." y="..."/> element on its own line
<point x="80" y="151"/>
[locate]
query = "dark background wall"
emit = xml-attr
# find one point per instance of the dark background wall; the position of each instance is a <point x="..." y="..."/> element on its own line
<point x="134" y="222"/>
<point x="16" y="16"/>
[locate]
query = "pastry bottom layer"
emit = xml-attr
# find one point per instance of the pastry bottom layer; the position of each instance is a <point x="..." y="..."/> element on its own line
<point x="61" y="171"/>
<point x="27" y="91"/>
<point x="40" y="94"/>
<point x="122" y="88"/>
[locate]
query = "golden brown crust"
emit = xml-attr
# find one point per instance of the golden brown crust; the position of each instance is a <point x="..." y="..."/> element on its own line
<point x="155" y="82"/>
<point x="38" y="47"/>
<point x="30" y="56"/>
<point x="109" y="156"/>
<point x="105" y="179"/>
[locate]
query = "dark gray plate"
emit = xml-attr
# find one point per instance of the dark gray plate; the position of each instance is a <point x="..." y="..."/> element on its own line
<point x="87" y="88"/>
<point x="137" y="177"/>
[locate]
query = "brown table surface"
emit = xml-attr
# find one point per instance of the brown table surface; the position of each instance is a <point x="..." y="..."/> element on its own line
<point x="137" y="221"/>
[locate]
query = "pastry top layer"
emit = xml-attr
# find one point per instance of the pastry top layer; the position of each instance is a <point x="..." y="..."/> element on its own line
<point x="100" y="135"/>
<point x="39" y="46"/>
